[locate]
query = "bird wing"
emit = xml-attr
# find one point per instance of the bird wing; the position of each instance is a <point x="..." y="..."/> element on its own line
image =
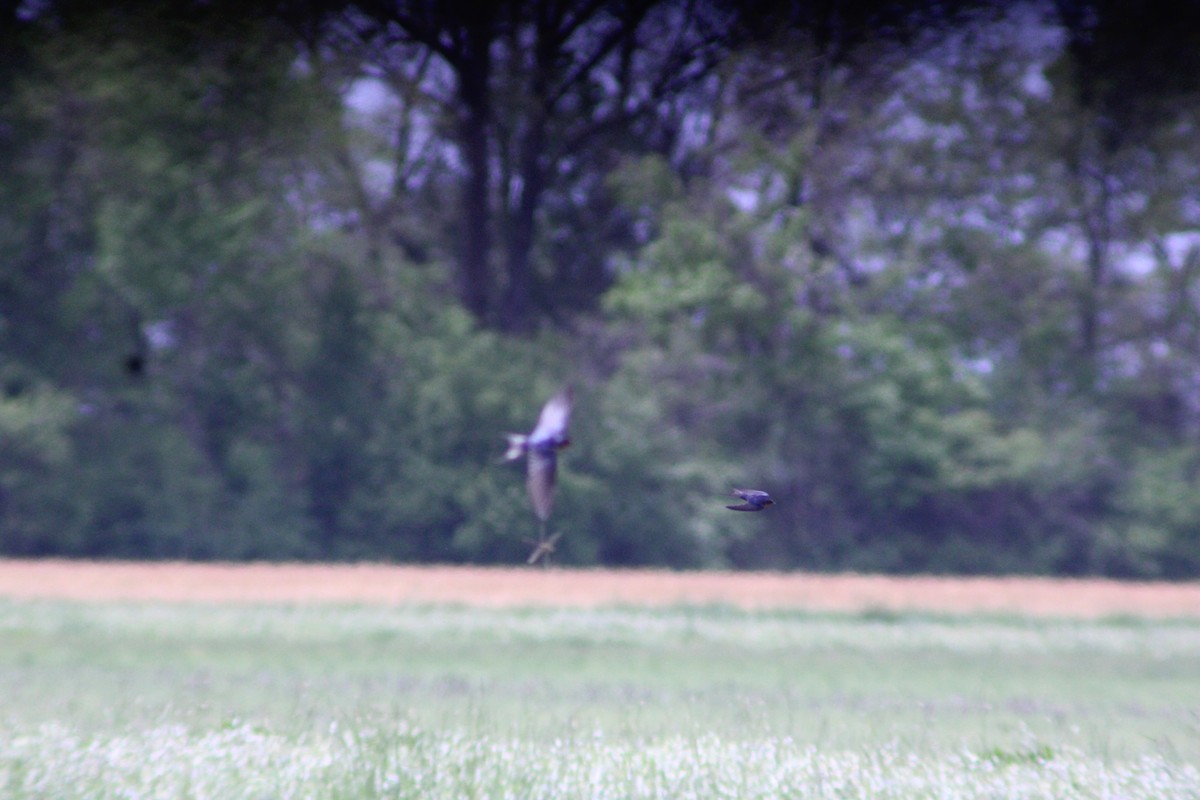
<point x="751" y="494"/>
<point x="540" y="480"/>
<point x="552" y="422"/>
<point x="745" y="507"/>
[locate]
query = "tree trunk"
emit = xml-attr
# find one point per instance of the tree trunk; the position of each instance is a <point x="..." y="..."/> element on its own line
<point x="474" y="274"/>
<point x="1096" y="213"/>
<point x="516" y="313"/>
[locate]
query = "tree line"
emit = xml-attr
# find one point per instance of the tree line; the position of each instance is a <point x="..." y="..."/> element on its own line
<point x="275" y="277"/>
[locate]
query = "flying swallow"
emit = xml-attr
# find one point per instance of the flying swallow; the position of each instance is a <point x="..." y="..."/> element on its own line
<point x="755" y="500"/>
<point x="542" y="549"/>
<point x="540" y="447"/>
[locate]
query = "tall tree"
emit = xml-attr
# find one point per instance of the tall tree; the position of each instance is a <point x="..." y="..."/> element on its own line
<point x="537" y="91"/>
<point x="1132" y="70"/>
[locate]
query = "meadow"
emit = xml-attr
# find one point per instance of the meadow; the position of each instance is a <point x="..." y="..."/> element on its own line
<point x="147" y="699"/>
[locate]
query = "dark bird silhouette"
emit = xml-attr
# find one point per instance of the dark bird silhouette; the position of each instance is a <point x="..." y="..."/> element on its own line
<point x="540" y="448"/>
<point x="755" y="500"/>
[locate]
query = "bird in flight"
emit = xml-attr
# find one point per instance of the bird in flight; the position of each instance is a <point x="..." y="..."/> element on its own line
<point x="542" y="549"/>
<point x="540" y="448"/>
<point x="755" y="500"/>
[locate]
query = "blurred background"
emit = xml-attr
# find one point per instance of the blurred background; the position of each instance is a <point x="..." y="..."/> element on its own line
<point x="275" y="277"/>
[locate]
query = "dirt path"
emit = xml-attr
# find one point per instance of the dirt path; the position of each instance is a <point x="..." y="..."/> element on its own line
<point x="489" y="586"/>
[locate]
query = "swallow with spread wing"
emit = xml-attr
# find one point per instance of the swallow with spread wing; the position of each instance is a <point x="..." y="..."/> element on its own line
<point x="755" y="500"/>
<point x="542" y="549"/>
<point x="540" y="448"/>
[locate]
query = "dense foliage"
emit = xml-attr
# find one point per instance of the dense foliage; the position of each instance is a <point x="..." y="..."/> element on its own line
<point x="275" y="278"/>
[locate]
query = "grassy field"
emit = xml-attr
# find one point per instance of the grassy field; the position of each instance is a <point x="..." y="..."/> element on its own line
<point x="203" y="700"/>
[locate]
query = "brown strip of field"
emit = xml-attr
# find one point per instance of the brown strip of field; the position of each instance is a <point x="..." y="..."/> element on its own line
<point x="512" y="587"/>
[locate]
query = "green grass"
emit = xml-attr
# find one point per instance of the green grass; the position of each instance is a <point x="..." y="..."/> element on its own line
<point x="199" y="701"/>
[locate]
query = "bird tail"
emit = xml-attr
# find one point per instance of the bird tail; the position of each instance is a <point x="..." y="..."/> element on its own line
<point x="518" y="443"/>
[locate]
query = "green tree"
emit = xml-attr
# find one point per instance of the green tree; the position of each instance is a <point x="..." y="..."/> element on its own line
<point x="537" y="99"/>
